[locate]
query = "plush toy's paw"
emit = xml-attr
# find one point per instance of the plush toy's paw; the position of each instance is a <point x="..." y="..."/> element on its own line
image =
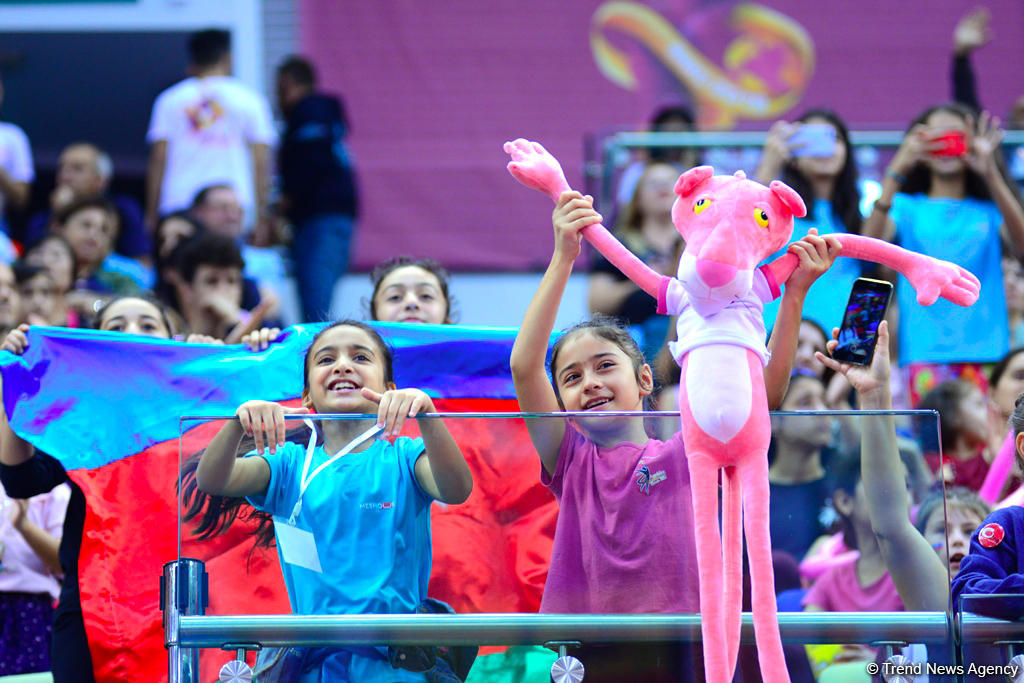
<point x="933" y="278"/>
<point x="533" y="166"/>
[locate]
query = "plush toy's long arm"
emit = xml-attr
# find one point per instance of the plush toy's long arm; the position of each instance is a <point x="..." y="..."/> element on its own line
<point x="533" y="166"/>
<point x="930" y="277"/>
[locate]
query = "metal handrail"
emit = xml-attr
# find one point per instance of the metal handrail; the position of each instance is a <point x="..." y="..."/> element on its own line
<point x="611" y="145"/>
<point x="525" y="629"/>
<point x="577" y="413"/>
<point x="638" y="139"/>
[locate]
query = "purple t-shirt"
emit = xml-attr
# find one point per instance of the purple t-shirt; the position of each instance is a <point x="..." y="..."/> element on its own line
<point x="624" y="539"/>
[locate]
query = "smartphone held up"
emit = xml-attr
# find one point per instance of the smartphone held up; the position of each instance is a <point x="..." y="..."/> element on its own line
<point x="869" y="300"/>
<point x="813" y="140"/>
<point x="949" y="144"/>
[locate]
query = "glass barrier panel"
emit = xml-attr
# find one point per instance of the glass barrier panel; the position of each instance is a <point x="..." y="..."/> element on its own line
<point x="602" y="523"/>
<point x="992" y="636"/>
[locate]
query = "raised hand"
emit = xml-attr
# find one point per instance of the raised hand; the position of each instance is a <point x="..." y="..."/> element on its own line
<point x="264" y="422"/>
<point x="533" y="166"/>
<point x="816" y="253"/>
<point x="972" y="31"/>
<point x="259" y="340"/>
<point x="16" y="342"/>
<point x="573" y="213"/>
<point x="397" y="404"/>
<point x="915" y="148"/>
<point x="864" y="378"/>
<point x="776" y="152"/>
<point x="983" y="144"/>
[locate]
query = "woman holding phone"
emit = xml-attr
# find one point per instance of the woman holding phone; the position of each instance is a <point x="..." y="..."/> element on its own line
<point x="945" y="194"/>
<point x="812" y="155"/>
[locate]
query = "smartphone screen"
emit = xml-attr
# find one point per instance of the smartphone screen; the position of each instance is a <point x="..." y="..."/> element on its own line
<point x="866" y="308"/>
<point x="813" y="140"/>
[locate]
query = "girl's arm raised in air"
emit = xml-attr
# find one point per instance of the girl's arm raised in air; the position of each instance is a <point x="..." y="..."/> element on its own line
<point x="816" y="255"/>
<point x="442" y="470"/>
<point x="982" y="152"/>
<point x="573" y="212"/>
<point x="916" y="569"/>
<point x="221" y="472"/>
<point x="13" y="449"/>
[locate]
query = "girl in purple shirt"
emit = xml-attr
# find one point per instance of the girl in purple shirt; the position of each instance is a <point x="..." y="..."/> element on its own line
<point x="624" y="542"/>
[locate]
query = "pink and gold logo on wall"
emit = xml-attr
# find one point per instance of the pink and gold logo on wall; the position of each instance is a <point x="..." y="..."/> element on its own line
<point x="765" y="67"/>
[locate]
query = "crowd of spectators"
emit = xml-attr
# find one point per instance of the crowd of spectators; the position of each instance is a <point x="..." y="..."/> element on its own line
<point x="207" y="244"/>
<point x="209" y="180"/>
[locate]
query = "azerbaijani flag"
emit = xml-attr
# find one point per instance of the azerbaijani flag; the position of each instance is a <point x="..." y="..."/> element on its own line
<point x="108" y="406"/>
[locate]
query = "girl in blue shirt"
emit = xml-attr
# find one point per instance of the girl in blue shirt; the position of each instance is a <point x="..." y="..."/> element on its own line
<point x="951" y="201"/>
<point x="828" y="186"/>
<point x="355" y="540"/>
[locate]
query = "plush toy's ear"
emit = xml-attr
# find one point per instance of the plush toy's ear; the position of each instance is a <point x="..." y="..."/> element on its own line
<point x="789" y="198"/>
<point x="689" y="181"/>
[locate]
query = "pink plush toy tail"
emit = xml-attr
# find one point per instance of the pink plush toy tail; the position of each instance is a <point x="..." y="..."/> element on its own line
<point x="998" y="473"/>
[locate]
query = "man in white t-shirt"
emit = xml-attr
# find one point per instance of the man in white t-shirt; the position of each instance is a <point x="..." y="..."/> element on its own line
<point x="16" y="171"/>
<point x="209" y="128"/>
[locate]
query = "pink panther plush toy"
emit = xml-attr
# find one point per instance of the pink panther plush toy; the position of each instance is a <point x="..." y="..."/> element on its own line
<point x="731" y="224"/>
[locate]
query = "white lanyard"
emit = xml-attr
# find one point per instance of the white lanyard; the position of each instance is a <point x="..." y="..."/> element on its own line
<point x="304" y="482"/>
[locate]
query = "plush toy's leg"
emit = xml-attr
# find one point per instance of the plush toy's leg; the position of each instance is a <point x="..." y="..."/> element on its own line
<point x="732" y="544"/>
<point x="754" y="475"/>
<point x="704" y="486"/>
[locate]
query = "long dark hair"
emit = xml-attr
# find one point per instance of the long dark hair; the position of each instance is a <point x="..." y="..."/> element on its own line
<point x="216" y="514"/>
<point x="919" y="178"/>
<point x="845" y="197"/>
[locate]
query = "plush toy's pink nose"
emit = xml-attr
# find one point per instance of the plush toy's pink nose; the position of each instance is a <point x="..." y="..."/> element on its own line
<point x="713" y="273"/>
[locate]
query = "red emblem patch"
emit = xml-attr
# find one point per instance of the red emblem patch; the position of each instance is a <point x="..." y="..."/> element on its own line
<point x="991" y="535"/>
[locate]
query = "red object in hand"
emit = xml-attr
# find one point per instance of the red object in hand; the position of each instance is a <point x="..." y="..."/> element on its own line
<point x="954" y="144"/>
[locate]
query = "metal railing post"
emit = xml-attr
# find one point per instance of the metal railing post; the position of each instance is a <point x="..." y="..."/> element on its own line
<point x="184" y="591"/>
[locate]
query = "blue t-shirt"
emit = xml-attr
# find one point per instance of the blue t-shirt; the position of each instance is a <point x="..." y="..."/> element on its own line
<point x="827" y="297"/>
<point x="371" y="522"/>
<point x="965" y="232"/>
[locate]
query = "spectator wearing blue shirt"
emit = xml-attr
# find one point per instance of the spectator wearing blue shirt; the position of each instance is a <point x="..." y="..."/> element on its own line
<point x="317" y="182"/>
<point x="828" y="184"/>
<point x="946" y="195"/>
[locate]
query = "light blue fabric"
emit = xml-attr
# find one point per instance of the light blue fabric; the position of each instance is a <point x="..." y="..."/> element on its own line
<point x="142" y="276"/>
<point x="966" y="232"/>
<point x="371" y="522"/>
<point x="827" y="297"/>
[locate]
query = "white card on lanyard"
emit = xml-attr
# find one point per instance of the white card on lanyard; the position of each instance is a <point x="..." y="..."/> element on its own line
<point x="298" y="546"/>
